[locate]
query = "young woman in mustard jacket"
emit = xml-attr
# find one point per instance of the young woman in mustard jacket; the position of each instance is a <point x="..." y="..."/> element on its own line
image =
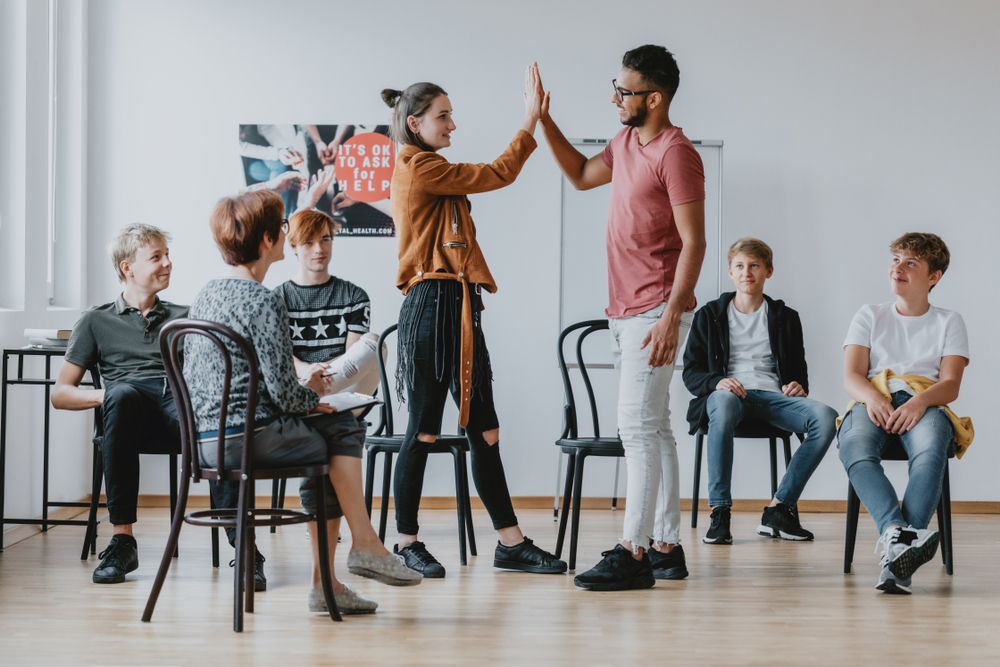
<point x="442" y="273"/>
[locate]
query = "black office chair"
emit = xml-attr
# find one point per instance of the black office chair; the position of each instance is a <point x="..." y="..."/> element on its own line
<point x="246" y="517"/>
<point x="894" y="451"/>
<point x="166" y="446"/>
<point x="750" y="429"/>
<point x="571" y="443"/>
<point x="385" y="441"/>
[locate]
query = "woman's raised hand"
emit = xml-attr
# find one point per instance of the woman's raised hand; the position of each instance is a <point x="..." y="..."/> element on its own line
<point x="533" y="96"/>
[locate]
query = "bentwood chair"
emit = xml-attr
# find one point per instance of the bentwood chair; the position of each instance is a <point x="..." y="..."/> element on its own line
<point x="384" y="440"/>
<point x="245" y="518"/>
<point x="749" y="429"/>
<point x="894" y="451"/>
<point x="579" y="448"/>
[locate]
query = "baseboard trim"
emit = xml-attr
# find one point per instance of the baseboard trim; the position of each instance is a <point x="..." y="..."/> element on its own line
<point x="17" y="534"/>
<point x="589" y="503"/>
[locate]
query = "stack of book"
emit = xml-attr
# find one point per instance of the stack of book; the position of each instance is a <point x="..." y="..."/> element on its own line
<point x="48" y="337"/>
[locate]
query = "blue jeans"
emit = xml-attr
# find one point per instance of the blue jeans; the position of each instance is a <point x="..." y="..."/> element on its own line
<point x="791" y="413"/>
<point x="926" y="444"/>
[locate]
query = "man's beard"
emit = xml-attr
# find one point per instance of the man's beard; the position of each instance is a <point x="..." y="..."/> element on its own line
<point x="638" y="119"/>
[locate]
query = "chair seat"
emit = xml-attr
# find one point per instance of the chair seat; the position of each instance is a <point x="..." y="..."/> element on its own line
<point x="442" y="445"/>
<point x="754" y="429"/>
<point x="593" y="446"/>
<point x="894" y="450"/>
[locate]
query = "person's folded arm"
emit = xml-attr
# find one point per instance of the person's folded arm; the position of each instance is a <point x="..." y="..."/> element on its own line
<point x="276" y="360"/>
<point x="67" y="394"/>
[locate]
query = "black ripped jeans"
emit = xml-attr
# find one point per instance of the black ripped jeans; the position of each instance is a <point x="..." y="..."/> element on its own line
<point x="430" y="341"/>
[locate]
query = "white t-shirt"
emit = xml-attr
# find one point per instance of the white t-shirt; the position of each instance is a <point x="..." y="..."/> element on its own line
<point x="750" y="358"/>
<point x="908" y="345"/>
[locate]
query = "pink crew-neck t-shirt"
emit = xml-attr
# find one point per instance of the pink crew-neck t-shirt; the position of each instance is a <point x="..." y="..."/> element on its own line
<point x="643" y="243"/>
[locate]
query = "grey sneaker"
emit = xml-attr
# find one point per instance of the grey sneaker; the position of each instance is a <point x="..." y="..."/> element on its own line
<point x="889" y="583"/>
<point x="906" y="549"/>
<point x="348" y="602"/>
<point x="390" y="569"/>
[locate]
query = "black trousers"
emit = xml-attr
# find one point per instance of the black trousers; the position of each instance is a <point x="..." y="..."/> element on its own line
<point x="137" y="414"/>
<point x="431" y="374"/>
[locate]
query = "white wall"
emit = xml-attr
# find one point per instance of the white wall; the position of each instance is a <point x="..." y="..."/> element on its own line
<point x="845" y="124"/>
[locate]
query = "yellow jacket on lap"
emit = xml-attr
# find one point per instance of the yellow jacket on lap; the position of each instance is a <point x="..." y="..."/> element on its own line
<point x="964" y="432"/>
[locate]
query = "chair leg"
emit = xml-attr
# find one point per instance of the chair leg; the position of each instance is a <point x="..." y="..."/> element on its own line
<point x="788" y="451"/>
<point x="567" y="503"/>
<point x="470" y="530"/>
<point x="614" y="496"/>
<point x="281" y="493"/>
<point x="555" y="499"/>
<point x="948" y="544"/>
<point x="173" y="493"/>
<point x="383" y="518"/>
<point x="370" y="478"/>
<point x="90" y="539"/>
<point x="459" y="457"/>
<point x="242" y="505"/>
<point x="250" y="549"/>
<point x="215" y="536"/>
<point x="323" y="545"/>
<point x="577" y="493"/>
<point x="699" y="442"/>
<point x="853" y="510"/>
<point x="774" y="467"/>
<point x="175" y="533"/>
<point x="274" y="499"/>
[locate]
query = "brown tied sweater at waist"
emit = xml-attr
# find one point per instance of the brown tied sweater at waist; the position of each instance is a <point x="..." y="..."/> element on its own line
<point x="437" y="237"/>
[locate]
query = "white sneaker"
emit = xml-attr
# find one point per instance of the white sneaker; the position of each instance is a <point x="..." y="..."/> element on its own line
<point x="888" y="582"/>
<point x="906" y="549"/>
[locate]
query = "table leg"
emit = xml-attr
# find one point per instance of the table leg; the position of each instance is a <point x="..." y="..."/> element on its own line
<point x="3" y="443"/>
<point x="45" y="448"/>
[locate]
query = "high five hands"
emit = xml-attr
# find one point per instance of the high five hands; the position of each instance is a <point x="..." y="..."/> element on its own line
<point x="534" y="98"/>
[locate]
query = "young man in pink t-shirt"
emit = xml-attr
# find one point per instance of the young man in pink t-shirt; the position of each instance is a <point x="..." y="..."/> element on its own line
<point x="656" y="243"/>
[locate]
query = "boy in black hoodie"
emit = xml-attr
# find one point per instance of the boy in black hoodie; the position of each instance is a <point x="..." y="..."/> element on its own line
<point x="745" y="360"/>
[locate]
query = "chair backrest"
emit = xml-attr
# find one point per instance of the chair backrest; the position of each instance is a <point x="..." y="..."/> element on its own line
<point x="384" y="427"/>
<point x="570" y="417"/>
<point x="171" y="351"/>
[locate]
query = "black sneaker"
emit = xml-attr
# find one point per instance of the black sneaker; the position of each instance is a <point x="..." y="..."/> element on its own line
<point x="259" y="580"/>
<point x="781" y="521"/>
<point x="120" y="558"/>
<point x="527" y="558"/>
<point x="619" y="571"/>
<point x="420" y="560"/>
<point x="719" y="532"/>
<point x="669" y="565"/>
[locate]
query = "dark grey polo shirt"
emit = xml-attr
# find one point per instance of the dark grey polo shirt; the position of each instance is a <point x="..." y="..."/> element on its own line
<point x="121" y="342"/>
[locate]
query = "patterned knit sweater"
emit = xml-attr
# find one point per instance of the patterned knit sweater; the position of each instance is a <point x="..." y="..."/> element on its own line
<point x="260" y="316"/>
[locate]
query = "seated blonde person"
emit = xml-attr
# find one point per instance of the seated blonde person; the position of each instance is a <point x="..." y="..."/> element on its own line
<point x="297" y="428"/>
<point x="329" y="318"/>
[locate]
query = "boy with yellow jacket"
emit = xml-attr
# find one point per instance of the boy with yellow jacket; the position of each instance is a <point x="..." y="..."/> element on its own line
<point x="904" y="363"/>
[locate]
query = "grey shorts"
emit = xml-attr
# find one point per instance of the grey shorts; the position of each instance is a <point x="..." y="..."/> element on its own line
<point x="294" y="441"/>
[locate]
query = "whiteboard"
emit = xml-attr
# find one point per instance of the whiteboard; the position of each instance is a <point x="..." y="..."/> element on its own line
<point x="584" y="261"/>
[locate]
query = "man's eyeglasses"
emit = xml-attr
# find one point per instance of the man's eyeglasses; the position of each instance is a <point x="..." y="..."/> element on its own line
<point x="621" y="93"/>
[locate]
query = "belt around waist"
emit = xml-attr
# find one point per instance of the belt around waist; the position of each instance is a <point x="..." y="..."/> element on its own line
<point x="259" y="425"/>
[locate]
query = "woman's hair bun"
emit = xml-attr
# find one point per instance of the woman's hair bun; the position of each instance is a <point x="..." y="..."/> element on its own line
<point x="390" y="97"/>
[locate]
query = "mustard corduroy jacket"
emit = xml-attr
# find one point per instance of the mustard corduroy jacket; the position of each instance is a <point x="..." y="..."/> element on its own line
<point x="437" y="238"/>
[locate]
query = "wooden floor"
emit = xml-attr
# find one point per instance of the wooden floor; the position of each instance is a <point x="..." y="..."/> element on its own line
<point x="757" y="602"/>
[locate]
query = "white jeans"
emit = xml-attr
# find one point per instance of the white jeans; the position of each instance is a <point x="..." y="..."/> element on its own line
<point x="652" y="500"/>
